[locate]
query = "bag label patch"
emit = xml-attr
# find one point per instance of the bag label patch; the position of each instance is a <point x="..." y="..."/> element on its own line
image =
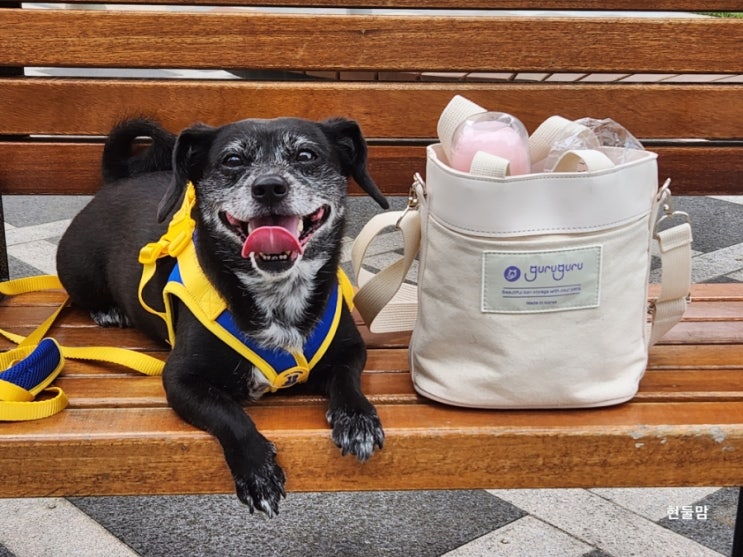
<point x="541" y="281"/>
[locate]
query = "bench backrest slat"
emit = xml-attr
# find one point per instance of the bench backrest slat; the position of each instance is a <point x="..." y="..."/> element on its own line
<point x="88" y="107"/>
<point x="72" y="168"/>
<point x="144" y="39"/>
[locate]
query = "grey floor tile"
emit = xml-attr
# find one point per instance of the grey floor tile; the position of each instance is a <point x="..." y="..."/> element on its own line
<point x="716" y="224"/>
<point x="29" y="210"/>
<point x="597" y="553"/>
<point x="361" y="209"/>
<point x="20" y="268"/>
<point x="426" y="523"/>
<point x="525" y="537"/>
<point x="716" y="530"/>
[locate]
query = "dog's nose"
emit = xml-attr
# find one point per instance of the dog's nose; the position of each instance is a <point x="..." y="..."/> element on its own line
<point x="270" y="189"/>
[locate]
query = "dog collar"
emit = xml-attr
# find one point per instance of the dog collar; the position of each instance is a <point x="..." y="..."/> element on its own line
<point x="187" y="282"/>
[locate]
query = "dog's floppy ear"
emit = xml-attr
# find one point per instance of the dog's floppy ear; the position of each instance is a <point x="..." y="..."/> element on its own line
<point x="190" y="157"/>
<point x="350" y="144"/>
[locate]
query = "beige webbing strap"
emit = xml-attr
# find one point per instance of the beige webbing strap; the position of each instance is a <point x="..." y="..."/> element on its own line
<point x="384" y="300"/>
<point x="675" y="255"/>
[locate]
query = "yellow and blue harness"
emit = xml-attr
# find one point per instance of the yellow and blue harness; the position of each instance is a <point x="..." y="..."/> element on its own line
<point x="26" y="372"/>
<point x="187" y="282"/>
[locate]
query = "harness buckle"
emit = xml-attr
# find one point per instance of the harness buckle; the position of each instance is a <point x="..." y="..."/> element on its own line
<point x="179" y="243"/>
<point x="150" y="253"/>
<point x="290" y="377"/>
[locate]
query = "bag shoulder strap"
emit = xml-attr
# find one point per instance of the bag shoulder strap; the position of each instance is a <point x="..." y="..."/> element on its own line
<point x="674" y="244"/>
<point x="384" y="300"/>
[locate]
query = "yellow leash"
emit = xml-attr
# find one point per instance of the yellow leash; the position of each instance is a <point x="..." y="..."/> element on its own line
<point x="28" y="370"/>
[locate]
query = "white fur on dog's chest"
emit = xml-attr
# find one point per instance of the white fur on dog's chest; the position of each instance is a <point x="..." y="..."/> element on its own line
<point x="283" y="304"/>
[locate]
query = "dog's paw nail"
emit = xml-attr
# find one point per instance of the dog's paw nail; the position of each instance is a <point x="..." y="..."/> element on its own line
<point x="262" y="489"/>
<point x="356" y="432"/>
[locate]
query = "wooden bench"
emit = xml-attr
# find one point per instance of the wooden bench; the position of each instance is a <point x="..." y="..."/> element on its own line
<point x="394" y="74"/>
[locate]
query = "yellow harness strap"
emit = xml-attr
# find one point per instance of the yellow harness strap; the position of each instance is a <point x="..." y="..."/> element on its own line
<point x="28" y="370"/>
<point x="178" y="236"/>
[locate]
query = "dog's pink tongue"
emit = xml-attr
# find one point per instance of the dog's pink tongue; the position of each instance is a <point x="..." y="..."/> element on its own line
<point x="271" y="240"/>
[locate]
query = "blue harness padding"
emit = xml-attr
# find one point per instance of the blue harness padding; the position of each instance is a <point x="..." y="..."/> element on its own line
<point x="28" y="370"/>
<point x="37" y="369"/>
<point x="283" y="359"/>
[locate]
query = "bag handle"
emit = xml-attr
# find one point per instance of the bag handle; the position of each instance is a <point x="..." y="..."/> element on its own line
<point x="583" y="160"/>
<point x="549" y="132"/>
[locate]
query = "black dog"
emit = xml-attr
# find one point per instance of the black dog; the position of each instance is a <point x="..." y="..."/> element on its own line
<point x="269" y="213"/>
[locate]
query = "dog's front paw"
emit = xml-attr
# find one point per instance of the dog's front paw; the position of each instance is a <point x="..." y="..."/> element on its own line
<point x="356" y="431"/>
<point x="261" y="486"/>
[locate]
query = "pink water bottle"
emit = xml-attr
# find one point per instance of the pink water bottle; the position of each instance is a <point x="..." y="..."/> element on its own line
<point x="495" y="140"/>
<point x="494" y="133"/>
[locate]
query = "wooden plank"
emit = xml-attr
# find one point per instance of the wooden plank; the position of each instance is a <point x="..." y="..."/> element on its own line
<point x="122" y="391"/>
<point x="634" y="5"/>
<point x="62" y="168"/>
<point x="380" y="43"/>
<point x="686" y="332"/>
<point x="720" y="291"/>
<point x="690" y="357"/>
<point x="714" y="311"/>
<point x="711" y="302"/>
<point x="123" y="451"/>
<point x="101" y="390"/>
<point x="696" y="356"/>
<point x="93" y="106"/>
<point x="681" y="373"/>
<point x="669" y="386"/>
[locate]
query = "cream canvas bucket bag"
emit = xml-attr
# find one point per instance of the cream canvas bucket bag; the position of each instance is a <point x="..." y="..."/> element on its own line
<point x="532" y="290"/>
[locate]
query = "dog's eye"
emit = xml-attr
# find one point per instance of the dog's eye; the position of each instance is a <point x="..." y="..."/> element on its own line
<point x="232" y="161"/>
<point x="305" y="155"/>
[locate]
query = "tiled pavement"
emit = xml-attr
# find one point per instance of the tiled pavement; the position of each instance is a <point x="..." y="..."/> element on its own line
<point x="534" y="523"/>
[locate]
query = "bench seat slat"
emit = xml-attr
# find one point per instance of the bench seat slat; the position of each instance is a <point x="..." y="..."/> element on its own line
<point x="385" y="361"/>
<point x="726" y="332"/>
<point x="697" y="356"/>
<point x="722" y="332"/>
<point x="321" y="42"/>
<point x="721" y="322"/>
<point x="120" y="391"/>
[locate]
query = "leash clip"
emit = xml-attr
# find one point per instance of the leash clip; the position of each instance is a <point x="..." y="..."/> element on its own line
<point x="413" y="200"/>
<point x="665" y="200"/>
